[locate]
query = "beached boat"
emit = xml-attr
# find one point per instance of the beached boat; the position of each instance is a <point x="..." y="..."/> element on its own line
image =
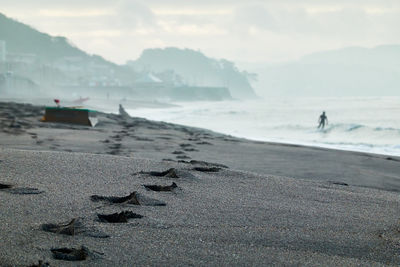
<point x="74" y="115"/>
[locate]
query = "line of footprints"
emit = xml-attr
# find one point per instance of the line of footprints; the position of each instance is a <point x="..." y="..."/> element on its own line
<point x="77" y="226"/>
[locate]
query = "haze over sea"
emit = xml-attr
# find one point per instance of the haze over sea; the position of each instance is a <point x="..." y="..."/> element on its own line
<point x="366" y="124"/>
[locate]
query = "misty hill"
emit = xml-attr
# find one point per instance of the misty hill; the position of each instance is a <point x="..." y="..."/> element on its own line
<point x="196" y="69"/>
<point x="345" y="72"/>
<point x="21" y="38"/>
<point x="53" y="65"/>
<point x="37" y="63"/>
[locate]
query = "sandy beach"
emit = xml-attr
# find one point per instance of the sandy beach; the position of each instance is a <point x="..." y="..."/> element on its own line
<point x="140" y="192"/>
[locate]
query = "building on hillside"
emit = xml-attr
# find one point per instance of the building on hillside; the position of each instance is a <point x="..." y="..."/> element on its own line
<point x="17" y="85"/>
<point x="21" y="58"/>
<point x="70" y="64"/>
<point x="148" y="79"/>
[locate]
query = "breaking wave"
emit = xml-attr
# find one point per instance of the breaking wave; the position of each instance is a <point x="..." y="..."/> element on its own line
<point x="295" y="121"/>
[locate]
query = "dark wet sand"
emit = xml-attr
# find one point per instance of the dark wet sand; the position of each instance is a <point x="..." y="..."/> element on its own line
<point x="248" y="203"/>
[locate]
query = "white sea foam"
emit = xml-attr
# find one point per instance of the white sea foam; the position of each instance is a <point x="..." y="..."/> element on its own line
<point x="368" y="124"/>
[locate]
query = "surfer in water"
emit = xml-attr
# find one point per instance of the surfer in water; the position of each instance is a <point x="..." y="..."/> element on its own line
<point x="322" y="119"/>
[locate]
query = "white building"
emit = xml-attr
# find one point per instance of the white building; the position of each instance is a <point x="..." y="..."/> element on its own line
<point x="148" y="78"/>
<point x="2" y="51"/>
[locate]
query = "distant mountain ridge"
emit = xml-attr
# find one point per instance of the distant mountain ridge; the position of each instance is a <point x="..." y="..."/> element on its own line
<point x="196" y="69"/>
<point x="52" y="63"/>
<point x="351" y="71"/>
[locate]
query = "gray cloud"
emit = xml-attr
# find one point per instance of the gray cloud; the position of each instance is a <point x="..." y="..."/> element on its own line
<point x="131" y="14"/>
<point x="347" y="22"/>
<point x="255" y="15"/>
<point x="234" y="29"/>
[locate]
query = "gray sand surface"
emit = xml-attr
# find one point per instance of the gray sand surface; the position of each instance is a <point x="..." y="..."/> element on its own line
<point x="323" y="213"/>
<point x="228" y="217"/>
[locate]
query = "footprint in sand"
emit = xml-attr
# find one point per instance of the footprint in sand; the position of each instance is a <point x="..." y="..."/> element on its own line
<point x="40" y="264"/>
<point x="129" y="125"/>
<point x="133" y="199"/>
<point x="70" y="254"/>
<point x="161" y="188"/>
<point x="231" y="140"/>
<point x="183" y="157"/>
<point x="115" y="149"/>
<point x="19" y="190"/>
<point x="73" y="254"/>
<point x="204" y="143"/>
<point x="171" y="160"/>
<point x="170" y="173"/>
<point x="121" y="217"/>
<point x="115" y="146"/>
<point x="25" y="191"/>
<point x="124" y="132"/>
<point x="33" y="135"/>
<point x="207" y="164"/>
<point x="390" y="158"/>
<point x="178" y="152"/>
<point x="71" y="228"/>
<point x="5" y="186"/>
<point x="185" y="145"/>
<point x="207" y="169"/>
<point x="130" y="199"/>
<point x="54" y="146"/>
<point x="164" y="137"/>
<point x="190" y="149"/>
<point x="74" y="227"/>
<point x="139" y="138"/>
<point x="339" y="183"/>
<point x="173" y="173"/>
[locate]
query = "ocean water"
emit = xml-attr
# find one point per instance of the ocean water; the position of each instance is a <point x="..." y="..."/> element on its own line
<point x="367" y="124"/>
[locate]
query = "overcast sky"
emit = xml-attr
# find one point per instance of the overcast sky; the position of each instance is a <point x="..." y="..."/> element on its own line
<point x="238" y="30"/>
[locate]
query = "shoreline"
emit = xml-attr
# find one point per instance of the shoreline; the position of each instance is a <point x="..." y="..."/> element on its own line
<point x="268" y="121"/>
<point x="134" y="104"/>
<point x="322" y="146"/>
<point x="142" y="138"/>
<point x="134" y="191"/>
